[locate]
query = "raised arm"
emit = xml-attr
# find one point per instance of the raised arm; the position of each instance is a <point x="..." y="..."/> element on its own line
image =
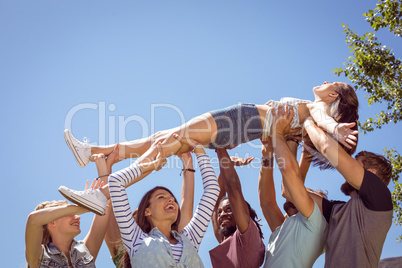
<point x="112" y="235"/>
<point x="288" y="165"/>
<point x="198" y="225"/>
<point x="131" y="233"/>
<point x="233" y="188"/>
<point x="34" y="228"/>
<point x="342" y="131"/>
<point x="304" y="164"/>
<point x="93" y="240"/>
<point x="349" y="167"/>
<point x="214" y="220"/>
<point x="187" y="190"/>
<point x="266" y="187"/>
<point x="237" y="161"/>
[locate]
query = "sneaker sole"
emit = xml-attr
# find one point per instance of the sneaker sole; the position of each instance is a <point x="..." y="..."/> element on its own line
<point x="82" y="202"/>
<point x="70" y="145"/>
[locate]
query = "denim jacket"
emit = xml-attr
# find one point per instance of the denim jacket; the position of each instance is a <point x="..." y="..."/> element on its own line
<point x="79" y="255"/>
<point x="156" y="251"/>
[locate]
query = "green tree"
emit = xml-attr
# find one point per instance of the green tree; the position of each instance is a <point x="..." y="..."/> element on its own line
<point x="372" y="67"/>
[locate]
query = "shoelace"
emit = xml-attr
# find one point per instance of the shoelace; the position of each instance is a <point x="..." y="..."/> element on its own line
<point x="86" y="140"/>
<point x="89" y="191"/>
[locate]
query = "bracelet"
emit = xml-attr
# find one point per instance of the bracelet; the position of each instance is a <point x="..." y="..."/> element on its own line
<point x="106" y="175"/>
<point x="292" y="139"/>
<point x="267" y="161"/>
<point x="194" y="146"/>
<point x="186" y="169"/>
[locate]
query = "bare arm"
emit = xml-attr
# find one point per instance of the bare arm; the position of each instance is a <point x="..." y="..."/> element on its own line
<point x="100" y="224"/>
<point x="342" y="131"/>
<point x="304" y="164"/>
<point x="112" y="236"/>
<point x="187" y="191"/>
<point x="293" y="148"/>
<point x="214" y="217"/>
<point x="233" y="188"/>
<point x="292" y="181"/>
<point x="349" y="167"/>
<point x="34" y="228"/>
<point x="266" y="188"/>
<point x="237" y="161"/>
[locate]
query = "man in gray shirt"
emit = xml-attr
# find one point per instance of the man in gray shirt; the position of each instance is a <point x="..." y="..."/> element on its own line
<point x="357" y="228"/>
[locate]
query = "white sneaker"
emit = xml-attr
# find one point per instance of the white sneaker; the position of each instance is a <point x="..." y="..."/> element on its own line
<point x="91" y="199"/>
<point x="81" y="150"/>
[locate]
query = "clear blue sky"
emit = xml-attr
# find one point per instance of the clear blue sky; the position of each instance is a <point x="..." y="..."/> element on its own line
<point x="120" y="70"/>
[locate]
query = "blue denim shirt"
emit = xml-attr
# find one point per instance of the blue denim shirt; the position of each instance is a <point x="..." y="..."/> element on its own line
<point x="79" y="255"/>
<point x="156" y="251"/>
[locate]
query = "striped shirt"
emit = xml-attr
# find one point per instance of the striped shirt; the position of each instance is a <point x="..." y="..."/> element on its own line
<point x="269" y="119"/>
<point x="131" y="233"/>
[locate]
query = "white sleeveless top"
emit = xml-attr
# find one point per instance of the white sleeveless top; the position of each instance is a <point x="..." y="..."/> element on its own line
<point x="269" y="119"/>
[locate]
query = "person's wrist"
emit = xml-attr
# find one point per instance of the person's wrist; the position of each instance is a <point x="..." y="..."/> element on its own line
<point x="184" y="170"/>
<point x="267" y="161"/>
<point x="195" y="146"/>
<point x="309" y="120"/>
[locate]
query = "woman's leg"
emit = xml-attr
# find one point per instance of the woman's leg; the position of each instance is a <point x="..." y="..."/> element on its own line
<point x="202" y="129"/>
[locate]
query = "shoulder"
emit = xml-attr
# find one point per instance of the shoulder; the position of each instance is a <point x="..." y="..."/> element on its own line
<point x="328" y="205"/>
<point x="374" y="193"/>
<point x="316" y="219"/>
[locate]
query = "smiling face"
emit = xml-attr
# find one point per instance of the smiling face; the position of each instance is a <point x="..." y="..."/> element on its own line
<point x="326" y="92"/>
<point x="163" y="207"/>
<point x="225" y="217"/>
<point x="69" y="226"/>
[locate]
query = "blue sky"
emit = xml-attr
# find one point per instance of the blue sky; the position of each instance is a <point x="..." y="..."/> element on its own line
<point x="120" y="70"/>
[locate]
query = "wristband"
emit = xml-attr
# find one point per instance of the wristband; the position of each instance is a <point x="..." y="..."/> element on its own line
<point x="102" y="176"/>
<point x="194" y="146"/>
<point x="293" y="139"/>
<point x="267" y="161"/>
<point x="186" y="169"/>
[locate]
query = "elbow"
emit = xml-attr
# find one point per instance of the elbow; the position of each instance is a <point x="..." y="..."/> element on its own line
<point x="33" y="219"/>
<point x="285" y="193"/>
<point x="322" y="145"/>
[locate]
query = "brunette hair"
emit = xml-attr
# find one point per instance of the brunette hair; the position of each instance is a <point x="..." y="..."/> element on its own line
<point x="142" y="222"/>
<point x="344" y="109"/>
<point x="144" y="204"/>
<point x="46" y="238"/>
<point x="379" y="163"/>
<point x="289" y="205"/>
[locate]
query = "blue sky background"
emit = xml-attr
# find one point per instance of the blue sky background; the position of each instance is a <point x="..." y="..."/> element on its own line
<point x="120" y="70"/>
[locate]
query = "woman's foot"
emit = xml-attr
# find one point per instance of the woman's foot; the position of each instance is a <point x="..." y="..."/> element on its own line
<point x="81" y="150"/>
<point x="91" y="199"/>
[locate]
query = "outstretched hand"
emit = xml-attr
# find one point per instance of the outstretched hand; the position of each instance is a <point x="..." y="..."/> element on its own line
<point x="238" y="161"/>
<point x="344" y="133"/>
<point x="159" y="161"/>
<point x="186" y="144"/>
<point x="111" y="159"/>
<point x="96" y="184"/>
<point x="282" y="120"/>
